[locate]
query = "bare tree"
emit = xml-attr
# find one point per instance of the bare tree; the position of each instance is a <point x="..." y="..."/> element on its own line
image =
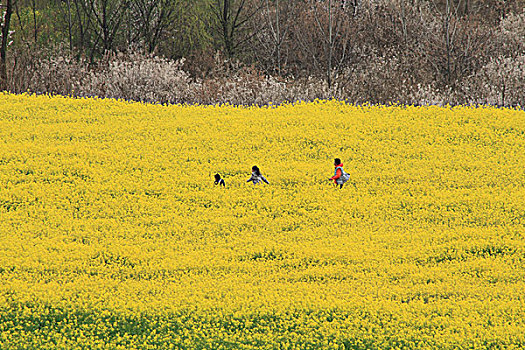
<point x="279" y="27"/>
<point x="449" y="18"/>
<point x="107" y="17"/>
<point x="272" y="27"/>
<point x="69" y="25"/>
<point x="330" y="45"/>
<point x="6" y="21"/>
<point x="454" y="44"/>
<point x="152" y="17"/>
<point x="333" y="28"/>
<point x="83" y="24"/>
<point x="232" y="16"/>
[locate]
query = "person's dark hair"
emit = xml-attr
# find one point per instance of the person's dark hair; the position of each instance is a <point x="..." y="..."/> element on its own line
<point x="256" y="170"/>
<point x="337" y="161"/>
<point x="217" y="177"/>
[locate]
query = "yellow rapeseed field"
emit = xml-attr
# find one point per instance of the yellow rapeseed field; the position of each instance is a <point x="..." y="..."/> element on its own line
<point x="113" y="236"/>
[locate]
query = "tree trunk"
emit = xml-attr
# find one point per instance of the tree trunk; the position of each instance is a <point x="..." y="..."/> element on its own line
<point x="3" y="46"/>
<point x="278" y="31"/>
<point x="69" y="24"/>
<point x="446" y="28"/>
<point x="225" y="29"/>
<point x="330" y="45"/>
<point x="80" y="28"/>
<point x="35" y="29"/>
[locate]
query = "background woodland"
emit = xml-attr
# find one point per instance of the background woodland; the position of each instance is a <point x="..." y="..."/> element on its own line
<point x="267" y="51"/>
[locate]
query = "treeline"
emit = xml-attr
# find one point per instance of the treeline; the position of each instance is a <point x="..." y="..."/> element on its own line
<point x="262" y="51"/>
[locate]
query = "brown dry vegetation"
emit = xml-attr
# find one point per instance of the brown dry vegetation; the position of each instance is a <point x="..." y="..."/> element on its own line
<point x="259" y="51"/>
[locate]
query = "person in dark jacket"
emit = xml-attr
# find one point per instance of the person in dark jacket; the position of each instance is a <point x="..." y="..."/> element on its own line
<point x="257" y="176"/>
<point x="219" y="181"/>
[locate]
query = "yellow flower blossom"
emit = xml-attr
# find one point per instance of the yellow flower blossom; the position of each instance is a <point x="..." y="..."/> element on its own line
<point x="113" y="235"/>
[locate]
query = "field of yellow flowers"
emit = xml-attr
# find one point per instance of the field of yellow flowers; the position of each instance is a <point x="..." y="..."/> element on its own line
<point x="113" y="236"/>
